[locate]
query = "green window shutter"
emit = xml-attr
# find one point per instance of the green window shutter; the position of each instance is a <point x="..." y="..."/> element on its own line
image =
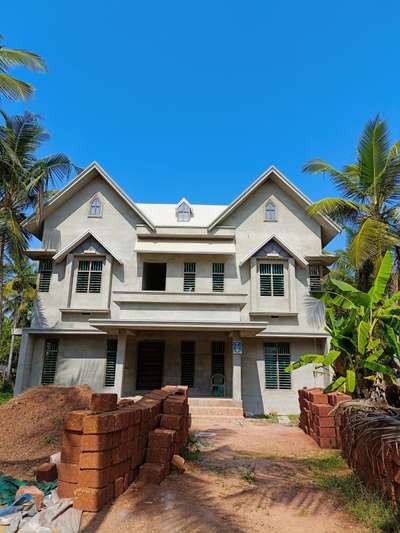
<point x="187" y="362"/>
<point x="277" y="358"/>
<point x="265" y="279"/>
<point x="218" y="357"/>
<point x="111" y="362"/>
<point x="88" y="278"/>
<point x="189" y="277"/>
<point x="49" y="361"/>
<point x="278" y="280"/>
<point x="218" y="275"/>
<point x="45" y="272"/>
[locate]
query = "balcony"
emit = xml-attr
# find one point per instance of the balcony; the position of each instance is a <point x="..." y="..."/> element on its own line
<point x="181" y="298"/>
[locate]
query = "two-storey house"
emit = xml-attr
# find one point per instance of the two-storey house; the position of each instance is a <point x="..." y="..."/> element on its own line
<point x="133" y="296"/>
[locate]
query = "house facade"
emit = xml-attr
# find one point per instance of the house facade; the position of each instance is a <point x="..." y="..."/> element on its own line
<point x="218" y="297"/>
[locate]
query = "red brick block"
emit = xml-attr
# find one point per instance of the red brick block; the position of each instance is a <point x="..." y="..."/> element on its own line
<point x="325" y="432"/>
<point x="118" y="486"/>
<point x="123" y="418"/>
<point x="136" y="413"/>
<point x="326" y="442"/>
<point x="152" y="473"/>
<point x="132" y="475"/>
<point x="97" y="460"/>
<point x="87" y="499"/>
<point x="71" y="438"/>
<point x="321" y="410"/>
<point x="95" y="479"/>
<point x="171" y="422"/>
<point x="96" y="442"/>
<point x="318" y="397"/>
<point x="341" y="397"/>
<point x="70" y="454"/>
<point x="74" y="420"/>
<point x="101" y="423"/>
<point x="126" y="482"/>
<point x="66" y="490"/>
<point x="175" y="406"/>
<point x="325" y="421"/>
<point x="159" y="455"/>
<point x="101" y="403"/>
<point x="154" y="406"/>
<point x="310" y="390"/>
<point x="68" y="472"/>
<point x="46" y="472"/>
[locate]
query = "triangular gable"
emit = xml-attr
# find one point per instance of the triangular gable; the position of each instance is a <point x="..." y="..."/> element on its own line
<point x="330" y="229"/>
<point x="300" y="259"/>
<point x="84" y="177"/>
<point x="62" y="254"/>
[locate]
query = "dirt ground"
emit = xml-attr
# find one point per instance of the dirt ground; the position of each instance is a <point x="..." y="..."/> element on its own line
<point x="31" y="426"/>
<point x="212" y="496"/>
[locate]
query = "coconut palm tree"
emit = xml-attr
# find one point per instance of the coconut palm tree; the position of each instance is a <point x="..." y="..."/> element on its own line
<point x="370" y="190"/>
<point x="19" y="294"/>
<point x="24" y="180"/>
<point x="11" y="87"/>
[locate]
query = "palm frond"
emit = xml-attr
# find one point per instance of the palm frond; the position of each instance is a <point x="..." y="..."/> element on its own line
<point x="14" y="89"/>
<point x="345" y="182"/>
<point x="372" y="240"/>
<point x="373" y="150"/>
<point x="341" y="210"/>
<point x="10" y="57"/>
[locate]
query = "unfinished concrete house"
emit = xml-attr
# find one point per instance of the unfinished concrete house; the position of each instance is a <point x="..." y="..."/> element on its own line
<point x="132" y="296"/>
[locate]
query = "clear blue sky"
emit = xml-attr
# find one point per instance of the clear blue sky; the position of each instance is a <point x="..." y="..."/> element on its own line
<point x="195" y="99"/>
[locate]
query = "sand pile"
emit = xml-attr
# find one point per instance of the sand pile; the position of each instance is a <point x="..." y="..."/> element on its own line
<point x="31" y="425"/>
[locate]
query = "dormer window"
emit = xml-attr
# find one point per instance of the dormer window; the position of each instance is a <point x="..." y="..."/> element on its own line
<point x="270" y="211"/>
<point x="183" y="212"/>
<point x="95" y="207"/>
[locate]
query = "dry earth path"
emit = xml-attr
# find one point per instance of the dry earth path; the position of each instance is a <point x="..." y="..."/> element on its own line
<point x="213" y="496"/>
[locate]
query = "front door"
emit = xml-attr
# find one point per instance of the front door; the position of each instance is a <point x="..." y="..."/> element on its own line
<point x="150" y="365"/>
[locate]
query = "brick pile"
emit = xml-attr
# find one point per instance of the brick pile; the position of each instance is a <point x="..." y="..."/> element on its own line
<point x="103" y="447"/>
<point x="316" y="417"/>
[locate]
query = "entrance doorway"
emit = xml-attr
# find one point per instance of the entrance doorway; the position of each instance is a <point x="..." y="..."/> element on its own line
<point x="150" y="365"/>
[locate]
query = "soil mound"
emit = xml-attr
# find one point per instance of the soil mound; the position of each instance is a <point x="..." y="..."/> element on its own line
<point x="31" y="426"/>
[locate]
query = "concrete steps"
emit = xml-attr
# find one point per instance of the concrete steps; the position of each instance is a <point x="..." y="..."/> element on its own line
<point x="215" y="407"/>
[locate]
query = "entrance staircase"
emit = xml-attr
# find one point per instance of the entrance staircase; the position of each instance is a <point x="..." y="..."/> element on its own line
<point x="215" y="408"/>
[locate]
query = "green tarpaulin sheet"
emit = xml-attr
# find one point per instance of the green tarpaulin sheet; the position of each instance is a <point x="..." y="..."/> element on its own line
<point x="9" y="487"/>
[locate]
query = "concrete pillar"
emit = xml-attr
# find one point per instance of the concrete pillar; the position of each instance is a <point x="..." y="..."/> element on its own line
<point x="119" y="368"/>
<point x="236" y="370"/>
<point x="24" y="363"/>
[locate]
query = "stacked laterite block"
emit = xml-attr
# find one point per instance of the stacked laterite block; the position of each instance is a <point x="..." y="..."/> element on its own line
<point x="103" y="447"/>
<point x="170" y="438"/>
<point x="316" y="417"/>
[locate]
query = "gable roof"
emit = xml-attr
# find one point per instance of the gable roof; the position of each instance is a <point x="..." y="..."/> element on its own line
<point x="165" y="214"/>
<point x="300" y="259"/>
<point x="329" y="228"/>
<point x="84" y="177"/>
<point x="79" y="240"/>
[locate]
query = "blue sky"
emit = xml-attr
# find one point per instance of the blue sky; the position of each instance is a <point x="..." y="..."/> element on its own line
<point x="196" y="99"/>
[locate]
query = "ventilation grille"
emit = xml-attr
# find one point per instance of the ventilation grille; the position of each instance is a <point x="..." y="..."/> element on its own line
<point x="272" y="279"/>
<point x="50" y="361"/>
<point x="277" y="358"/>
<point x="189" y="277"/>
<point x="218" y="358"/>
<point x="111" y="362"/>
<point x="187" y="363"/>
<point x="315" y="278"/>
<point x="218" y="276"/>
<point x="45" y="272"/>
<point x="89" y="276"/>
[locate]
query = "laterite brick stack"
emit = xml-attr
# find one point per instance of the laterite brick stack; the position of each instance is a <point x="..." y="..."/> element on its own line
<point x="316" y="418"/>
<point x="103" y="448"/>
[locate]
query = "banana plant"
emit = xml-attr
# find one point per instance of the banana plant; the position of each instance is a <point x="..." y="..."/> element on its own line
<point x="364" y="328"/>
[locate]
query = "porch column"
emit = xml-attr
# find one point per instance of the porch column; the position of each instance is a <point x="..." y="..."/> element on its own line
<point x="24" y="363"/>
<point x="120" y="363"/>
<point x="237" y="368"/>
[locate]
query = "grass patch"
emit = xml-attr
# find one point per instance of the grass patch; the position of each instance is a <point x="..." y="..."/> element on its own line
<point x="271" y="417"/>
<point x="5" y="397"/>
<point x="370" y="508"/>
<point x="294" y="419"/>
<point x="248" y="475"/>
<point x="192" y="452"/>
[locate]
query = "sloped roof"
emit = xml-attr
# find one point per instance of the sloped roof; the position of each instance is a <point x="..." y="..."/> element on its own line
<point x="299" y="258"/>
<point x="85" y="176"/>
<point x="79" y="240"/>
<point x="329" y="228"/>
<point x="165" y="214"/>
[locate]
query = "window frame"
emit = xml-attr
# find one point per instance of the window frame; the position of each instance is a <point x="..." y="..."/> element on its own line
<point x="269" y="281"/>
<point x="111" y="362"/>
<point x="278" y="358"/>
<point x="91" y="273"/>
<point x="44" y="273"/>
<point x="315" y="278"/>
<point x="183" y="212"/>
<point x="189" y="277"/>
<point x="95" y="198"/>
<point x="191" y="355"/>
<point x="218" y="278"/>
<point x="274" y="210"/>
<point x="49" y="374"/>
